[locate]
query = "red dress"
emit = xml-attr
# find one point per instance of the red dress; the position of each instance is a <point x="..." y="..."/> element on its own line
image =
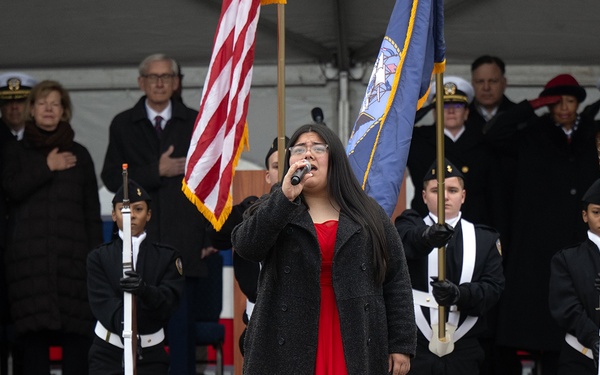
<point x="330" y="352"/>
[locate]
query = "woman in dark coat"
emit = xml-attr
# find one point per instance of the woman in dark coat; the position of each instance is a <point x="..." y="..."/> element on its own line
<point x="54" y="222"/>
<point x="555" y="160"/>
<point x="334" y="290"/>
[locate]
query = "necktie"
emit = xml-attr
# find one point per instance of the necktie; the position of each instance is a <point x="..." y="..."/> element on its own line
<point x="157" y="126"/>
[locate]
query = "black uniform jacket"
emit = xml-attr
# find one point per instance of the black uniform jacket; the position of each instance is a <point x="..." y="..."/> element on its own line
<point x="156" y="266"/>
<point x="469" y="154"/>
<point x="476" y="297"/>
<point x="133" y="140"/>
<point x="573" y="297"/>
<point x="5" y="133"/>
<point x="550" y="177"/>
<point x="5" y="136"/>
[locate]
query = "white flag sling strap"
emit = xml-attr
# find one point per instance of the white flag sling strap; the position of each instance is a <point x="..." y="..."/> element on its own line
<point x="427" y="299"/>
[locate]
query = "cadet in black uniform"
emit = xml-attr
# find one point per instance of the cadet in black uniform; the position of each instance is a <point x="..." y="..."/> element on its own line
<point x="157" y="282"/>
<point x="474" y="277"/>
<point x="573" y="298"/>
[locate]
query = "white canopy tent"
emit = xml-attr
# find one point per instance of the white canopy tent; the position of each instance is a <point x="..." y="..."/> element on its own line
<point x="93" y="48"/>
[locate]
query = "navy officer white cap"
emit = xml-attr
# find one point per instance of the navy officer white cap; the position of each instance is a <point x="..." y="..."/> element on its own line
<point x="460" y="84"/>
<point x="15" y="85"/>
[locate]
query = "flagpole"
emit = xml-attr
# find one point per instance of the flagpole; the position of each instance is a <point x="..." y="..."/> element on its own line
<point x="281" y="87"/>
<point x="441" y="177"/>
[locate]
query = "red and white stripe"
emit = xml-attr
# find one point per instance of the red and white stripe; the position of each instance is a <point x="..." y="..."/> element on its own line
<point x="220" y="132"/>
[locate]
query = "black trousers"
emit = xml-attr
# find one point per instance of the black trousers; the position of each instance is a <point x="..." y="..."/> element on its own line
<point x="107" y="359"/>
<point x="35" y="347"/>
<point x="573" y="362"/>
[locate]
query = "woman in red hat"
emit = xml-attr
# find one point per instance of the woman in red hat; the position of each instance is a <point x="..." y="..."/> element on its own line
<point x="553" y="159"/>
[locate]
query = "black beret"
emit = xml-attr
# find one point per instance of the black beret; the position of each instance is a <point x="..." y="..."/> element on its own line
<point x="274" y="147"/>
<point x="451" y="171"/>
<point x="136" y="193"/>
<point x="592" y="195"/>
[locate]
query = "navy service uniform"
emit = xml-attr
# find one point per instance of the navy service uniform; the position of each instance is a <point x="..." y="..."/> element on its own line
<point x="468" y="152"/>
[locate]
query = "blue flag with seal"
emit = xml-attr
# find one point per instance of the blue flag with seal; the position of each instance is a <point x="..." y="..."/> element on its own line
<point x="412" y="50"/>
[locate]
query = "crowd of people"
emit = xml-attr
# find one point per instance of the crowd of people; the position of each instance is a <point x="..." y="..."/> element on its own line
<point x="333" y="286"/>
<point x="53" y="294"/>
<point x="529" y="171"/>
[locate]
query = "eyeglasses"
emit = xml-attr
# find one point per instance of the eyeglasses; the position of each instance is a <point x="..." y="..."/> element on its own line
<point x="316" y="148"/>
<point x="153" y="78"/>
<point x="454" y="105"/>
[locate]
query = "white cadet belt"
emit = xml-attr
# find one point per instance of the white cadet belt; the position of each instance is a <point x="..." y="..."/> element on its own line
<point x="114" y="339"/>
<point x="427" y="300"/>
<point x="575" y="344"/>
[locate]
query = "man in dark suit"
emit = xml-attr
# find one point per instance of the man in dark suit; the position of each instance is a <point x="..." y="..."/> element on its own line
<point x="153" y="138"/>
<point x="489" y="83"/>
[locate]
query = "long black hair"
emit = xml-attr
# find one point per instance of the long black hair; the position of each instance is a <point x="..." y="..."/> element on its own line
<point x="344" y="188"/>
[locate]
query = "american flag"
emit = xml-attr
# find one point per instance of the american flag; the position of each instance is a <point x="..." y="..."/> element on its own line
<point x="221" y="132"/>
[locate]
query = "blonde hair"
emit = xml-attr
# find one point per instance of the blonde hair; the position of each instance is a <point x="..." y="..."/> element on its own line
<point x="41" y="90"/>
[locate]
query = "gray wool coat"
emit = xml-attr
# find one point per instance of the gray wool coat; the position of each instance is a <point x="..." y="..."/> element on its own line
<point x="375" y="320"/>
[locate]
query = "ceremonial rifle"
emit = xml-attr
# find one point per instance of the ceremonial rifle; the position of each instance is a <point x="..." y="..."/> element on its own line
<point x="129" y="305"/>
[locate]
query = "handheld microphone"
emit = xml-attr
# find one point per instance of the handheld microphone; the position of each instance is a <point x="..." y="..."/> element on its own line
<point x="317" y="115"/>
<point x="299" y="174"/>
